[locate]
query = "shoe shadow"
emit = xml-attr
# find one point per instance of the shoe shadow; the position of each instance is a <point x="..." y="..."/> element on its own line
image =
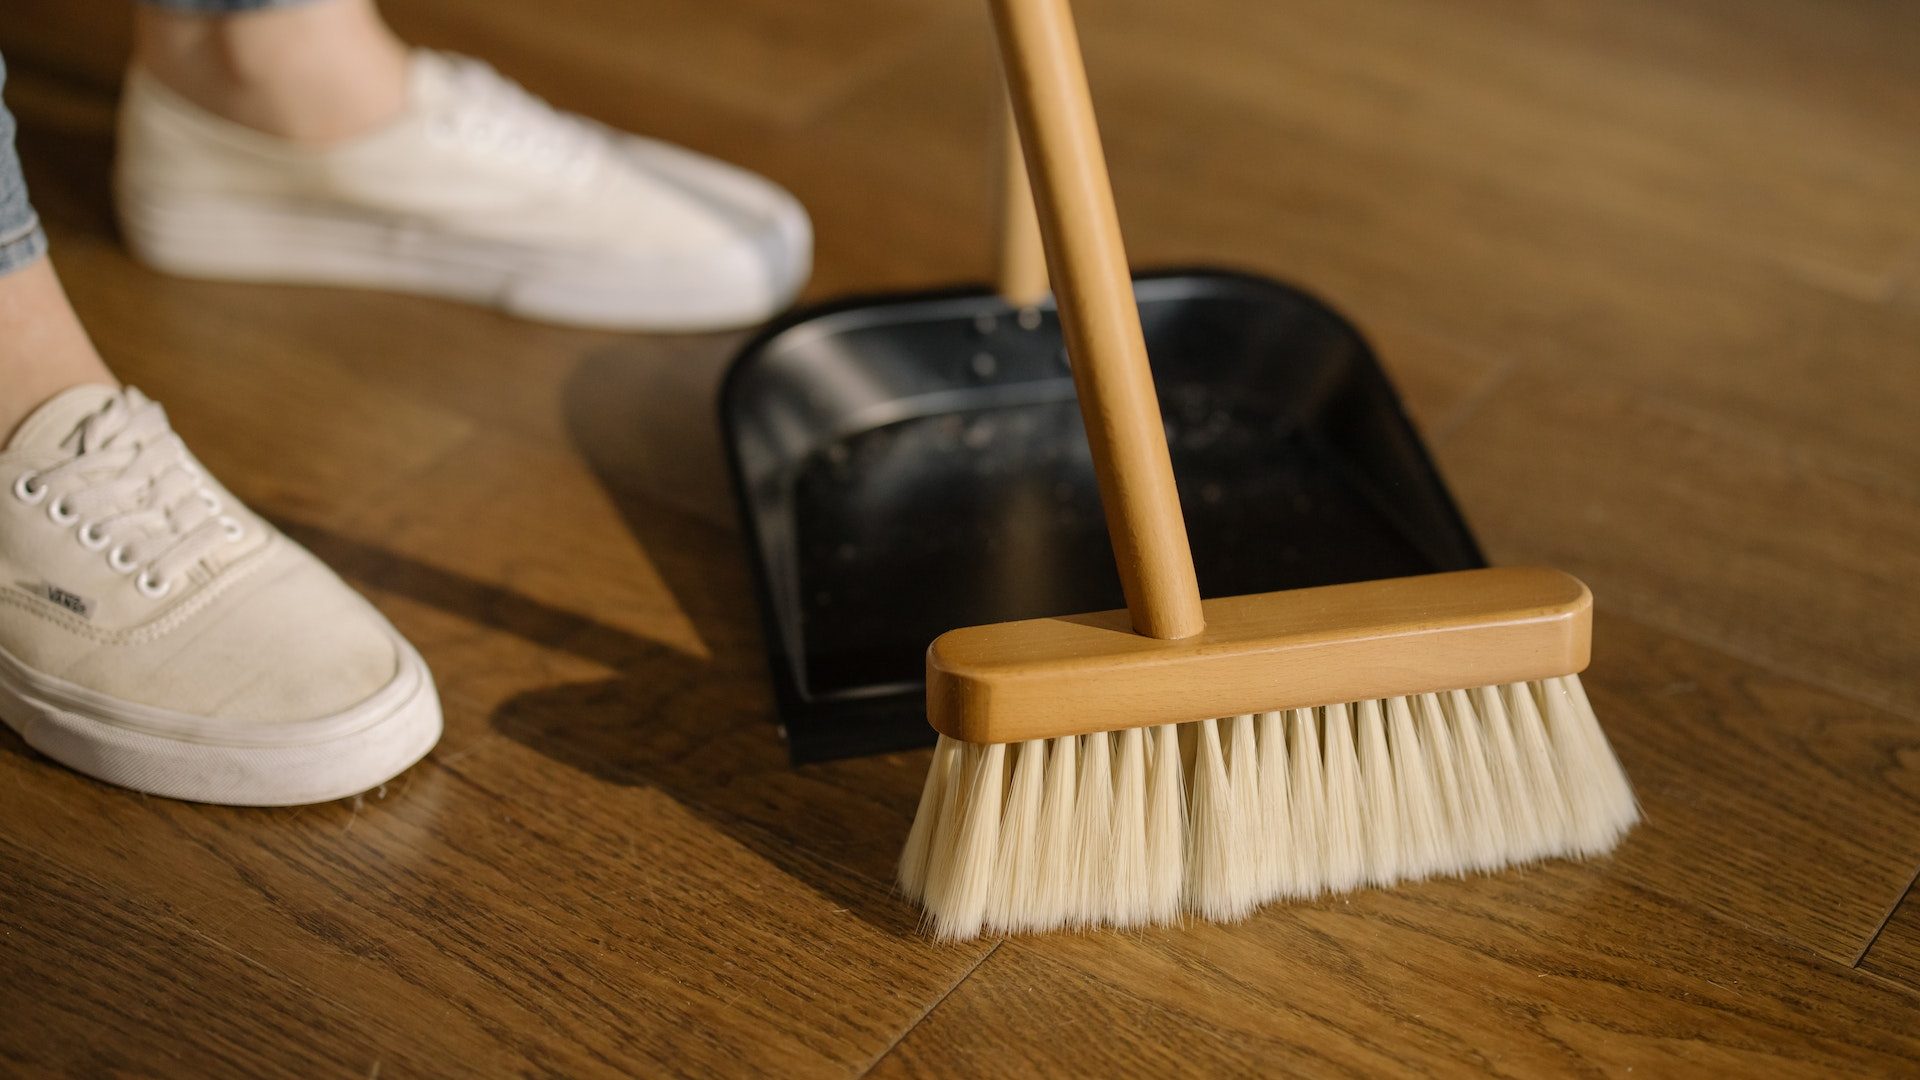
<point x="695" y="729"/>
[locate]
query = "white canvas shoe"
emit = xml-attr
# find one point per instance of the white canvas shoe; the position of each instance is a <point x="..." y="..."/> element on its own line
<point x="156" y="634"/>
<point x="480" y="192"/>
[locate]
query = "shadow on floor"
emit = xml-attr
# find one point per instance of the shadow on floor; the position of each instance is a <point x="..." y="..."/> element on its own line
<point x="696" y="729"/>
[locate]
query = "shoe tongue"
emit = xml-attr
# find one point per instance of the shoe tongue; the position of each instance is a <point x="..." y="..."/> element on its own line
<point x="50" y="425"/>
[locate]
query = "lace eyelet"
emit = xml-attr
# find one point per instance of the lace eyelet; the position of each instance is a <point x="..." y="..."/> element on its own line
<point x="234" y="530"/>
<point x="117" y="558"/>
<point x="61" y="513"/>
<point x="91" y="537"/>
<point x="25" y="490"/>
<point x="150" y="587"/>
<point x="211" y="500"/>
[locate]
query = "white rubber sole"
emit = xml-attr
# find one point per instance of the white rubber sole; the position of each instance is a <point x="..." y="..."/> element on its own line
<point x="188" y="758"/>
<point x="234" y="239"/>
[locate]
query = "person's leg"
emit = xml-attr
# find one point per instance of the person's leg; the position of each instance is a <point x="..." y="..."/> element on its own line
<point x="298" y="141"/>
<point x="154" y="632"/>
<point x="311" y="71"/>
<point x="43" y="350"/>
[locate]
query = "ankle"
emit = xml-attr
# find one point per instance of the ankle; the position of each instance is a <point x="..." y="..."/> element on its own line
<point x="43" y="350"/>
<point x="313" y="73"/>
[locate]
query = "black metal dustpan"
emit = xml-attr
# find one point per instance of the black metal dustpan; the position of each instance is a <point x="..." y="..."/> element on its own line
<point x="912" y="464"/>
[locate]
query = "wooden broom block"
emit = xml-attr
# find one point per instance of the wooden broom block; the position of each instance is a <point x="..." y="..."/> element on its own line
<point x="1043" y="678"/>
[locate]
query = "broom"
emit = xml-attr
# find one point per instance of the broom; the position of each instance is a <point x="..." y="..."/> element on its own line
<point x="1204" y="757"/>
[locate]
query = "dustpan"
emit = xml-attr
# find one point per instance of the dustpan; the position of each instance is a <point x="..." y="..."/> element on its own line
<point x="906" y="465"/>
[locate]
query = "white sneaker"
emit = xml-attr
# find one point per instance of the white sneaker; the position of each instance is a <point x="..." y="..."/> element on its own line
<point x="156" y="634"/>
<point x="480" y="192"/>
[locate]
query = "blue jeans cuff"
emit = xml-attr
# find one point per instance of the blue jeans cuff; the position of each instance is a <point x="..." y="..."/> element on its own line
<point x="21" y="246"/>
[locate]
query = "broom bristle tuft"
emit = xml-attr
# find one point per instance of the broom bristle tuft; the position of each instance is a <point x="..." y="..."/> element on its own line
<point x="1108" y="829"/>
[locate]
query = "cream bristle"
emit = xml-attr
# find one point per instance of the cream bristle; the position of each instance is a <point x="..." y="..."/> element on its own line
<point x="1342" y="846"/>
<point x="946" y="825"/>
<point x="960" y="908"/>
<point x="1127" y="893"/>
<point x="1016" y="869"/>
<point x="1093" y="831"/>
<point x="1422" y="824"/>
<point x="1437" y="744"/>
<point x="1166" y="827"/>
<point x="912" y="875"/>
<point x="1307" y="808"/>
<point x="1483" y="830"/>
<point x="1243" y="774"/>
<point x="1545" y="799"/>
<point x="1584" y="764"/>
<point x="1053" y="896"/>
<point x="1621" y="806"/>
<point x="1213" y="871"/>
<point x="1527" y="837"/>
<point x="1380" y="812"/>
<point x="1275" y="860"/>
<point x="1218" y="816"/>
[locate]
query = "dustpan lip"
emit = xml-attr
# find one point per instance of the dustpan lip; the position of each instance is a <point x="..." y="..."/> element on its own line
<point x="794" y="318"/>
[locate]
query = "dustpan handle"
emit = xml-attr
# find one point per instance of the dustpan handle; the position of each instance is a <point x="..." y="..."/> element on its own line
<point x="1094" y="291"/>
<point x="1022" y="262"/>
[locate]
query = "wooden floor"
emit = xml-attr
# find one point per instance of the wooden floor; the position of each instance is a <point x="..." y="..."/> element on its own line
<point x="1647" y="271"/>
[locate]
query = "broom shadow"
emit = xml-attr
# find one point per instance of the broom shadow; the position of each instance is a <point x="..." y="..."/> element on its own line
<point x="653" y="724"/>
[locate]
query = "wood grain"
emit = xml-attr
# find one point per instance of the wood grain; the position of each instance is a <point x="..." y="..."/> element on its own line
<point x="1647" y="273"/>
<point x="1895" y="952"/>
<point x="1526" y="975"/>
<point x="1692" y="537"/>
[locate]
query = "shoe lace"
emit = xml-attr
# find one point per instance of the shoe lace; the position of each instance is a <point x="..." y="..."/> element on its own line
<point x="132" y="489"/>
<point x="494" y="113"/>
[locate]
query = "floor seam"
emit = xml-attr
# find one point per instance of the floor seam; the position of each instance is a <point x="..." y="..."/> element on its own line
<point x="1888" y="917"/>
<point x="932" y="1006"/>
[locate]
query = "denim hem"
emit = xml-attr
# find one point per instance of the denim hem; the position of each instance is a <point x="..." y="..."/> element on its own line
<point x="22" y="246"/>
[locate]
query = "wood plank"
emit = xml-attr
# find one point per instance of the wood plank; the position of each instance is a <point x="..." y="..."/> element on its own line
<point x="562" y="606"/>
<point x="1525" y="975"/>
<point x="1703" y="529"/>
<point x="1784" y="809"/>
<point x="1895" y="953"/>
<point x="502" y="910"/>
<point x="1500" y="267"/>
<point x="1541" y="100"/>
<point x="113" y="982"/>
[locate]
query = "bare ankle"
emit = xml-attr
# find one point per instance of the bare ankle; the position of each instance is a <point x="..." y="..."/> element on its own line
<point x="43" y="349"/>
<point x="314" y="73"/>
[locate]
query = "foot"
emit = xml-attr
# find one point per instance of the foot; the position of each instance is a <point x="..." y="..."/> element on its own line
<point x="156" y="634"/>
<point x="478" y="191"/>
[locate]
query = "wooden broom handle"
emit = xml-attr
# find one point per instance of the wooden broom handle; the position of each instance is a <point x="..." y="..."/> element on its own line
<point x="1094" y="291"/>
